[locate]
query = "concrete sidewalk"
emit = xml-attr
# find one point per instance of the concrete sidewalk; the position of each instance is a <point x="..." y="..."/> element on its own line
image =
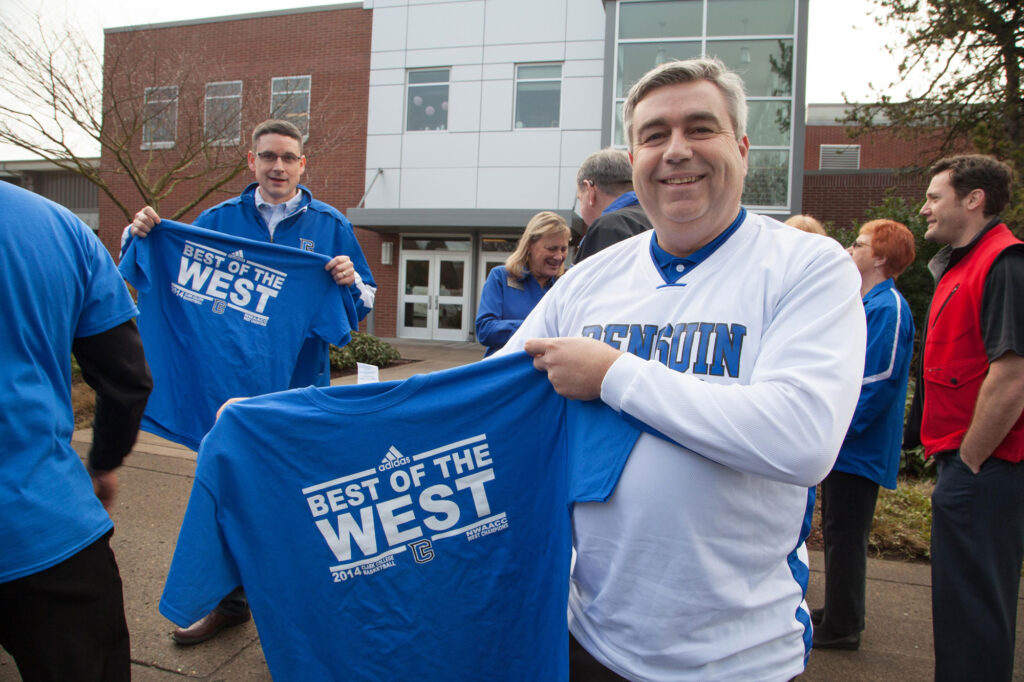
<point x="155" y="484"/>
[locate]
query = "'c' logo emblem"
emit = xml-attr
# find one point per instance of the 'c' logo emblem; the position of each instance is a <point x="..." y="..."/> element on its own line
<point x="422" y="551"/>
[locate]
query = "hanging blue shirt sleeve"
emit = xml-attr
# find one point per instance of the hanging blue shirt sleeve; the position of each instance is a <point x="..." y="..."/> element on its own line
<point x="601" y="441"/>
<point x="135" y="266"/>
<point x="211" y="572"/>
<point x="332" y="319"/>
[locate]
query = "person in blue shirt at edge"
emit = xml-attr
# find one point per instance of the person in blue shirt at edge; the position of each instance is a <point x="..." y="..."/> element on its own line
<point x="870" y="455"/>
<point x="61" y="600"/>
<point x="277" y="209"/>
<point x="513" y="289"/>
<point x="607" y="203"/>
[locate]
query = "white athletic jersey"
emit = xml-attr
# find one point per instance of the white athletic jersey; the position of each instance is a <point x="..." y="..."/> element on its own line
<point x="696" y="568"/>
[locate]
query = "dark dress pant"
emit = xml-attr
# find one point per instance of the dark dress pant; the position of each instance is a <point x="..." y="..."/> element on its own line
<point x="847" y="510"/>
<point x="977" y="549"/>
<point x="67" y="622"/>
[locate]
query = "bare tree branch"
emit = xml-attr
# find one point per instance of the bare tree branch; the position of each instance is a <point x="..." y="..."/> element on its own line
<point x="960" y="62"/>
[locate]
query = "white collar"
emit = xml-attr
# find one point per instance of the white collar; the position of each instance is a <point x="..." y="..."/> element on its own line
<point x="288" y="206"/>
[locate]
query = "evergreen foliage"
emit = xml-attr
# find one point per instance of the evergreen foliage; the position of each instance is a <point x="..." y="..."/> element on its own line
<point x="364" y="348"/>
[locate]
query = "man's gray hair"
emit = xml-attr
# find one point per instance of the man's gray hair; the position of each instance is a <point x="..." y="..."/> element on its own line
<point x="710" y="69"/>
<point x="609" y="170"/>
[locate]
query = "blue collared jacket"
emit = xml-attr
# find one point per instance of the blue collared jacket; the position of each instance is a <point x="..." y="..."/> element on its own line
<point x="504" y="304"/>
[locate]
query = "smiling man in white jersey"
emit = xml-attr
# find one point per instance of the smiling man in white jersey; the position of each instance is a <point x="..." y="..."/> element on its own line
<point x="731" y="335"/>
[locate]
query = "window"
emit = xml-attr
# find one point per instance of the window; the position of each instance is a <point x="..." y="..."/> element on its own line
<point x="755" y="38"/>
<point x="223" y="123"/>
<point x="839" y="157"/>
<point x="161" y="117"/>
<point x="289" y="100"/>
<point x="427" y="107"/>
<point x="538" y="95"/>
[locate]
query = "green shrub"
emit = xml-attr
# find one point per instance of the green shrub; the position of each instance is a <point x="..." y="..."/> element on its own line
<point x="364" y="348"/>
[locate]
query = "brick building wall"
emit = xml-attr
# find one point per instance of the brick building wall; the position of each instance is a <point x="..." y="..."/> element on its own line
<point x="882" y="149"/>
<point x="331" y="46"/>
<point x="887" y="161"/>
<point x="385" y="310"/>
<point x="840" y="199"/>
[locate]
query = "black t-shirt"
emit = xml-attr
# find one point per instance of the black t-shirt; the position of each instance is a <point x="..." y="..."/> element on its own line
<point x="1002" y="304"/>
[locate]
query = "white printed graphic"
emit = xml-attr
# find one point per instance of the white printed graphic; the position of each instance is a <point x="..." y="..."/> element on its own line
<point x="227" y="280"/>
<point x="406" y="503"/>
<point x="393" y="459"/>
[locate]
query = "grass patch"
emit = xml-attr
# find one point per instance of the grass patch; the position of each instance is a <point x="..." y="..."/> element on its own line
<point x="83" y="398"/>
<point x="83" y="402"/>
<point x="903" y="520"/>
<point x="902" y="526"/>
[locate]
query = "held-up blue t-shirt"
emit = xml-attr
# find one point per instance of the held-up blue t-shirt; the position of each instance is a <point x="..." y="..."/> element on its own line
<point x="224" y="317"/>
<point x="59" y="283"/>
<point x="399" y="530"/>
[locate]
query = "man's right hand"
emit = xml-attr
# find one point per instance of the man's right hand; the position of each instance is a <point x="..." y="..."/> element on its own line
<point x="144" y="222"/>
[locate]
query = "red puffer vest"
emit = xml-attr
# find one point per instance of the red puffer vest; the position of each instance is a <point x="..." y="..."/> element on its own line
<point x="955" y="362"/>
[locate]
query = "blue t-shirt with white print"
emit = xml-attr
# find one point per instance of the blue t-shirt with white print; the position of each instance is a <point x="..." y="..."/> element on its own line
<point x="59" y="285"/>
<point x="224" y="317"/>
<point x="399" y="530"/>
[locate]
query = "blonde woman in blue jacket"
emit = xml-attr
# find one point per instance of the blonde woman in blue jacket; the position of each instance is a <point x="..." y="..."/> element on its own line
<point x="513" y="289"/>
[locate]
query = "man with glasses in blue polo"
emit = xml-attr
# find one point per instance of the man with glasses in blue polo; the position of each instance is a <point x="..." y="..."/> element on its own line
<point x="277" y="209"/>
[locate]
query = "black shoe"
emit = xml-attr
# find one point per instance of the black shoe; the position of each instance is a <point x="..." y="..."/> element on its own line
<point x="847" y="643"/>
<point x="208" y="627"/>
<point x="816" y="616"/>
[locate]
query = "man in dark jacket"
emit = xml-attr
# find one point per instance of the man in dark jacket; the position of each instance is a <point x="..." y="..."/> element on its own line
<point x="607" y="202"/>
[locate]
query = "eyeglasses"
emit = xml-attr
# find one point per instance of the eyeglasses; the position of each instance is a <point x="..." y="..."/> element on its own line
<point x="859" y="244"/>
<point x="270" y="157"/>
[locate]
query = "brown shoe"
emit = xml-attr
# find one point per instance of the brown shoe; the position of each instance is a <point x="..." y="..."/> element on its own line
<point x="208" y="627"/>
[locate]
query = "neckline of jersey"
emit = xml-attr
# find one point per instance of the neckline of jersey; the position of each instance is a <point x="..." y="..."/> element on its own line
<point x="666" y="262"/>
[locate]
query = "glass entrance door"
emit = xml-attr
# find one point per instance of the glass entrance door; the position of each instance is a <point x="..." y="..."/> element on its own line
<point x="434" y="291"/>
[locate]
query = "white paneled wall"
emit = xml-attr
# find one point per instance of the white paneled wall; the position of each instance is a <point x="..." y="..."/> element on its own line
<point x="480" y="161"/>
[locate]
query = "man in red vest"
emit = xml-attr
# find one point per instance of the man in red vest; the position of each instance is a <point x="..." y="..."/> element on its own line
<point x="972" y="423"/>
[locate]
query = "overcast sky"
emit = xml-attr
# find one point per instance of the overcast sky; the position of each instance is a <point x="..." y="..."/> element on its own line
<point x="845" y="53"/>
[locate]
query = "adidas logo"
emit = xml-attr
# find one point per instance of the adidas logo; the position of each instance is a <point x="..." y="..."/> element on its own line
<point x="237" y="255"/>
<point x="392" y="459"/>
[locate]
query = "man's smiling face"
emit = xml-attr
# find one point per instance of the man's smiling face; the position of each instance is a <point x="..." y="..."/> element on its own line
<point x="279" y="177"/>
<point x="688" y="166"/>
